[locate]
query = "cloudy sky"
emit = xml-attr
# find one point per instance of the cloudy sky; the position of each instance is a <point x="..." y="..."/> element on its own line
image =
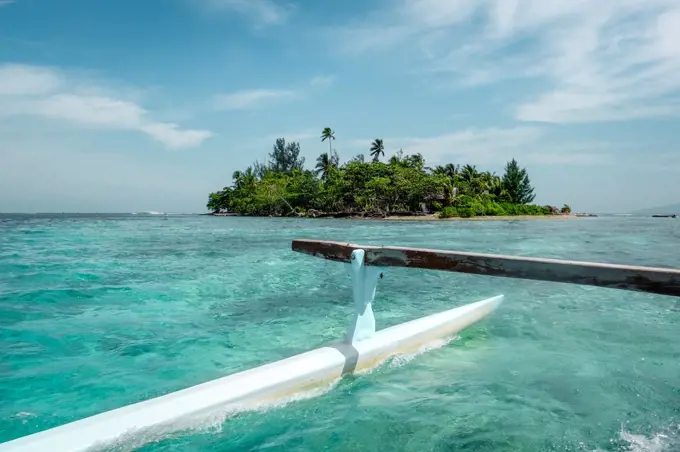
<point x="129" y="105"/>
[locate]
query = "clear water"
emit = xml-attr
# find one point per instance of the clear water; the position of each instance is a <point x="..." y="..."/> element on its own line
<point x="101" y="311"/>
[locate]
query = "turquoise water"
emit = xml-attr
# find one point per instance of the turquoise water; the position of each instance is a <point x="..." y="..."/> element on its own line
<point x="101" y="311"/>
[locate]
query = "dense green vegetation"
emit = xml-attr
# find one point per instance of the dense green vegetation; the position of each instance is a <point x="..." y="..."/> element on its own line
<point x="282" y="186"/>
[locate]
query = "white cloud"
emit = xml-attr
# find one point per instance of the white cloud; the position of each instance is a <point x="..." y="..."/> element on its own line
<point x="592" y="60"/>
<point x="323" y="81"/>
<point x="300" y="135"/>
<point x="473" y="145"/>
<point x="494" y="146"/>
<point x="666" y="162"/>
<point x="19" y="80"/>
<point x="172" y="136"/>
<point x="264" y="12"/>
<point x="40" y="92"/>
<point x="68" y="175"/>
<point x="251" y="99"/>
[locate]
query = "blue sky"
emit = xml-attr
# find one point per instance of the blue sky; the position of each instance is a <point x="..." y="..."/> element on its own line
<point x="132" y="105"/>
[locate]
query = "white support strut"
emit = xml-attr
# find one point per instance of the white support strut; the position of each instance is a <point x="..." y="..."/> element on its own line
<point x="364" y="282"/>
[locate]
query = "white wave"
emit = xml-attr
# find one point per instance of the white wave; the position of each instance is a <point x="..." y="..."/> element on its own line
<point x="640" y="443"/>
<point x="400" y="360"/>
<point x="25" y="416"/>
<point x="211" y="423"/>
<point x="659" y="442"/>
<point x="148" y="212"/>
<point x="215" y="421"/>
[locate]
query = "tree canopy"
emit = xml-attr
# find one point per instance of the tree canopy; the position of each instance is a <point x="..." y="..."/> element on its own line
<point x="283" y="186"/>
<point x="517" y="184"/>
<point x="377" y="149"/>
<point x="284" y="158"/>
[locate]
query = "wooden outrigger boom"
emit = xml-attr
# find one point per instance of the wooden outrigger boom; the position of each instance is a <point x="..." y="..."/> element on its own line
<point x="664" y="281"/>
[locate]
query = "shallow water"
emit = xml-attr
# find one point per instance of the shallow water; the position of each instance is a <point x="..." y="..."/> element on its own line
<point x="101" y="311"/>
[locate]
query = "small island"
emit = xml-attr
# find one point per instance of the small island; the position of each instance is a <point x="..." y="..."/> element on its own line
<point x="401" y="188"/>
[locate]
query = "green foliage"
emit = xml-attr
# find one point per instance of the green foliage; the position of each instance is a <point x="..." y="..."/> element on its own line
<point x="523" y="209"/>
<point x="448" y="212"/>
<point x="517" y="184"/>
<point x="466" y="212"/>
<point x="283" y="186"/>
<point x="377" y="149"/>
<point x="464" y="201"/>
<point x="565" y="209"/>
<point x="493" y="209"/>
<point x="219" y="201"/>
<point x="285" y="157"/>
<point x="327" y="134"/>
<point x="325" y="162"/>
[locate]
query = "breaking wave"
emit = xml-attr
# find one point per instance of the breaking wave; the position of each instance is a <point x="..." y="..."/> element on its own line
<point x="667" y="440"/>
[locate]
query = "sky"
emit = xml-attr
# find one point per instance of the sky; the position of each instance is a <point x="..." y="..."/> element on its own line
<point x="129" y="105"/>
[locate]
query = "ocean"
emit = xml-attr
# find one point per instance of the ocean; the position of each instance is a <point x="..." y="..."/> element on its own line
<point x="99" y="311"/>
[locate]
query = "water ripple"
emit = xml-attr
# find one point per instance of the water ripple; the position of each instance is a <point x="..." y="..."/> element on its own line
<point x="97" y="312"/>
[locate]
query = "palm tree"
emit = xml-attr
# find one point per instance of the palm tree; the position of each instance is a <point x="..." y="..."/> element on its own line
<point x="496" y="188"/>
<point x="377" y="149"/>
<point x="485" y="179"/>
<point x="327" y="134"/>
<point x="325" y="162"/>
<point x="451" y="170"/>
<point x="469" y="173"/>
<point x="237" y="178"/>
<point x="359" y="158"/>
<point x="415" y="161"/>
<point x="450" y="192"/>
<point x="244" y="179"/>
<point x="397" y="158"/>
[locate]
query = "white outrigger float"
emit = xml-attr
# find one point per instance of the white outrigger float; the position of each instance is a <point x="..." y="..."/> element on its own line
<point x="363" y="348"/>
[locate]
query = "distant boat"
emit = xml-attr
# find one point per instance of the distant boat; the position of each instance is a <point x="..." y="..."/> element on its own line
<point x="665" y="216"/>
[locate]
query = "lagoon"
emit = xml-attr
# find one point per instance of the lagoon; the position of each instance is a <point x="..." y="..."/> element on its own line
<point x="98" y="311"/>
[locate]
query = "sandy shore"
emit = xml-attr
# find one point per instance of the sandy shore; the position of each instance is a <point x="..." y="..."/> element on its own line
<point x="433" y="217"/>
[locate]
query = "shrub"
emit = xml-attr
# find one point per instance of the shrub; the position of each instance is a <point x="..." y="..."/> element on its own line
<point x="466" y="212"/>
<point x="493" y="209"/>
<point x="448" y="212"/>
<point x="464" y="201"/>
<point x="478" y="208"/>
<point x="524" y="209"/>
<point x="532" y="209"/>
<point x="510" y="209"/>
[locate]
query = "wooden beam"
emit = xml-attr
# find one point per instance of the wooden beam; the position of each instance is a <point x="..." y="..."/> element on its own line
<point x="664" y="281"/>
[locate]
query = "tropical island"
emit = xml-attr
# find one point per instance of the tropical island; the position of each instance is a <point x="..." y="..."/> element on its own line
<point x="403" y="186"/>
